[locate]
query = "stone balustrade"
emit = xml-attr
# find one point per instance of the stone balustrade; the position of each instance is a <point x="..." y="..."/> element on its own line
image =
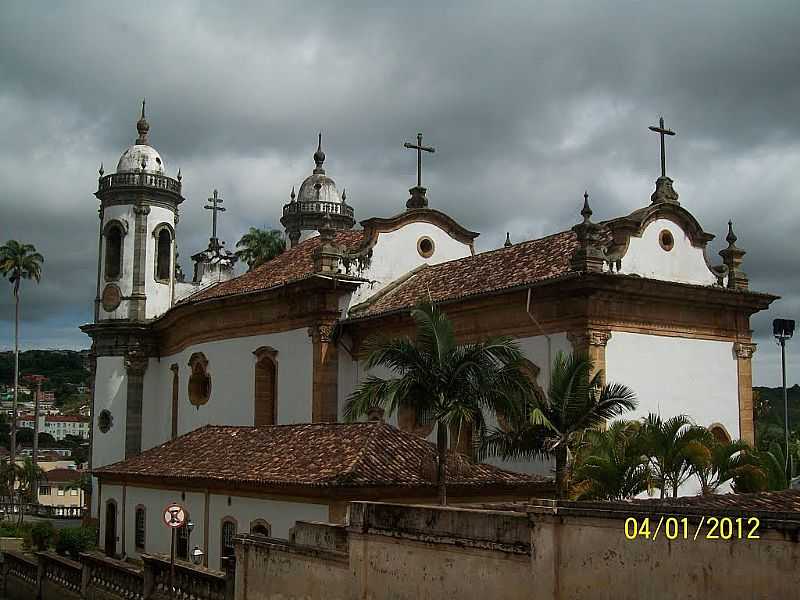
<point x="49" y="576"/>
<point x="153" y="180"/>
<point x="42" y="510"/>
<point x="320" y="206"/>
<point x="197" y="583"/>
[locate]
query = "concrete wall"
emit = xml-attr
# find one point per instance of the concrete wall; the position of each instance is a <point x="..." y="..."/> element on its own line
<point x="684" y="263"/>
<point x="432" y="553"/>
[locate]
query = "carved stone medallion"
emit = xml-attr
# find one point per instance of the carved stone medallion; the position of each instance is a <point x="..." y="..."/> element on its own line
<point x="111" y="298"/>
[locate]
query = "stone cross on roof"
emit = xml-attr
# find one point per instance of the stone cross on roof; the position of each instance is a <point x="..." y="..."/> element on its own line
<point x="662" y="132"/>
<point x="215" y="208"/>
<point x="420" y="149"/>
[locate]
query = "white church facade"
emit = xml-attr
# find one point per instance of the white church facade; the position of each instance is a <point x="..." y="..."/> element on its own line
<point x="179" y="366"/>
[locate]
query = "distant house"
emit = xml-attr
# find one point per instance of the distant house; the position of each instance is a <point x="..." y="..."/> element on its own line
<point x="59" y="426"/>
<point x="262" y="479"/>
<point x="61" y="488"/>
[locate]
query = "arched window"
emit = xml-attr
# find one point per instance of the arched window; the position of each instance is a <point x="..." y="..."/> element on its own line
<point x="266" y="372"/>
<point x="111" y="528"/>
<point x="182" y="541"/>
<point x="260" y="527"/>
<point x="228" y="530"/>
<point x="139" y="529"/>
<point x="199" y="380"/>
<point x="113" y="234"/>
<point x="720" y="433"/>
<point x="163" y="262"/>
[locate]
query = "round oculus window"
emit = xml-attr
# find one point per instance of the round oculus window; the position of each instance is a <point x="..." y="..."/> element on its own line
<point x="665" y="240"/>
<point x="104" y="421"/>
<point x="425" y="247"/>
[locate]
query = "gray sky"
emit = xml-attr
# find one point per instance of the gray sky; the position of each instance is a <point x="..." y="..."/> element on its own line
<point x="527" y="103"/>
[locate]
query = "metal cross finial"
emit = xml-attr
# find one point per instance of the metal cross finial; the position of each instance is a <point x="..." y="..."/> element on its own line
<point x="419" y="148"/>
<point x="215" y="208"/>
<point x="662" y="132"/>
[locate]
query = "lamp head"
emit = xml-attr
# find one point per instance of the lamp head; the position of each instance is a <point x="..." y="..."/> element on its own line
<point x="197" y="555"/>
<point x="783" y="329"/>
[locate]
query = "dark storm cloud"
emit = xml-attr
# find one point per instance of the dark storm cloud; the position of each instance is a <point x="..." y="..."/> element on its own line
<point x="528" y="104"/>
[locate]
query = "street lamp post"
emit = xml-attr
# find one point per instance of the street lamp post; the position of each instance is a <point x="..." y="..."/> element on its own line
<point x="189" y="527"/>
<point x="783" y="329"/>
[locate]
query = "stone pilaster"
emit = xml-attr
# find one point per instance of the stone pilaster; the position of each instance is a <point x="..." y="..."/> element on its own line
<point x="743" y="353"/>
<point x="592" y="342"/>
<point x="138" y="299"/>
<point x="135" y="366"/>
<point x="325" y="381"/>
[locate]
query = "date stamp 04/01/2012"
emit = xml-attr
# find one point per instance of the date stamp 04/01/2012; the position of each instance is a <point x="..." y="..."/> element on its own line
<point x="708" y="528"/>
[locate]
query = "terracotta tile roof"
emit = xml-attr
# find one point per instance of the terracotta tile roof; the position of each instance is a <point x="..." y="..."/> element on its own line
<point x="311" y="454"/>
<point x="292" y="265"/>
<point x="62" y="475"/>
<point x="504" y="268"/>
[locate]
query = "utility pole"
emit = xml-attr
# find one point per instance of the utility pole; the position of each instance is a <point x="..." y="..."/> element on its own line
<point x="783" y="329"/>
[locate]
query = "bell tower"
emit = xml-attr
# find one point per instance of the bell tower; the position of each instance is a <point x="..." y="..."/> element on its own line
<point x="136" y="254"/>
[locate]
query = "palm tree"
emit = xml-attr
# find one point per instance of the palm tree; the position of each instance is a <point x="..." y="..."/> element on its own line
<point x="260" y="245"/>
<point x="20" y="261"/>
<point x="29" y="478"/>
<point x="445" y="383"/>
<point x="666" y="445"/>
<point x="761" y="470"/>
<point x="548" y="426"/>
<point x="610" y="464"/>
<point x="714" y="462"/>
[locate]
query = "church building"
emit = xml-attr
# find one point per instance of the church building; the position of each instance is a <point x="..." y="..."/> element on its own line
<point x="227" y="392"/>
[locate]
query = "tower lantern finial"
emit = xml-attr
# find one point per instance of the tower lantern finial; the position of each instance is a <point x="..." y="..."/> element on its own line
<point x="319" y="156"/>
<point x="143" y="127"/>
<point x="586" y="212"/>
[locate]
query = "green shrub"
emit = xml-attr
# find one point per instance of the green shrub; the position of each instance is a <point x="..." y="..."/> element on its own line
<point x="74" y="540"/>
<point x="42" y="534"/>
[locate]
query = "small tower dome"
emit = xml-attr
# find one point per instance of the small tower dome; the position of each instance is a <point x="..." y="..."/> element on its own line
<point x="316" y="198"/>
<point x="141" y="156"/>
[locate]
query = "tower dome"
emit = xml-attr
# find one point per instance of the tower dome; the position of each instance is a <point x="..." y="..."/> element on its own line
<point x="141" y="156"/>
<point x="316" y="198"/>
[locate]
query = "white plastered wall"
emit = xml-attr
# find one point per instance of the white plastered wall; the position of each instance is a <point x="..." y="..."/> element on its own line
<point x="110" y="394"/>
<point x="684" y="262"/>
<point x="395" y="254"/>
<point x="231" y="364"/>
<point x="124" y="214"/>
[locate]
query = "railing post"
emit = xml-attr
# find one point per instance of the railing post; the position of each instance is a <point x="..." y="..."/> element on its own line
<point x="85" y="577"/>
<point x="40" y="562"/>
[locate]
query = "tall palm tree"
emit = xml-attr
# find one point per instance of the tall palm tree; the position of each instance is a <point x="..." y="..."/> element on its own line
<point x="610" y="464"/>
<point x="260" y="245"/>
<point x="666" y="445"/>
<point x="17" y="262"/>
<point x="714" y="462"/>
<point x="549" y="425"/>
<point x="451" y="385"/>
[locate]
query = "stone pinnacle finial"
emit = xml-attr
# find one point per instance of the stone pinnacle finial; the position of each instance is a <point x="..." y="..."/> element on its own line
<point x="101" y="171"/>
<point x="731" y="237"/>
<point x="292" y="196"/>
<point x="319" y="155"/>
<point x="586" y="212"/>
<point x="344" y="195"/>
<point x="508" y="239"/>
<point x="142" y="126"/>
<point x="179" y="175"/>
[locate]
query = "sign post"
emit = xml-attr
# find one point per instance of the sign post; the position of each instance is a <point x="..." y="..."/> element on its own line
<point x="174" y="516"/>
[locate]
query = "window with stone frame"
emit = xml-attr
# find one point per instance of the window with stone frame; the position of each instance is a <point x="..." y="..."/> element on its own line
<point x="227" y="533"/>
<point x="266" y="388"/>
<point x="113" y="234"/>
<point x="163" y="262"/>
<point x="139" y="528"/>
<point x="199" y="380"/>
<point x="182" y="541"/>
<point x="261" y="527"/>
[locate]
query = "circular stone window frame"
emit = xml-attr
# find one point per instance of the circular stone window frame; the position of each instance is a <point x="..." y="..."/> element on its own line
<point x="422" y="251"/>
<point x="105" y="421"/>
<point x="666" y="240"/>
